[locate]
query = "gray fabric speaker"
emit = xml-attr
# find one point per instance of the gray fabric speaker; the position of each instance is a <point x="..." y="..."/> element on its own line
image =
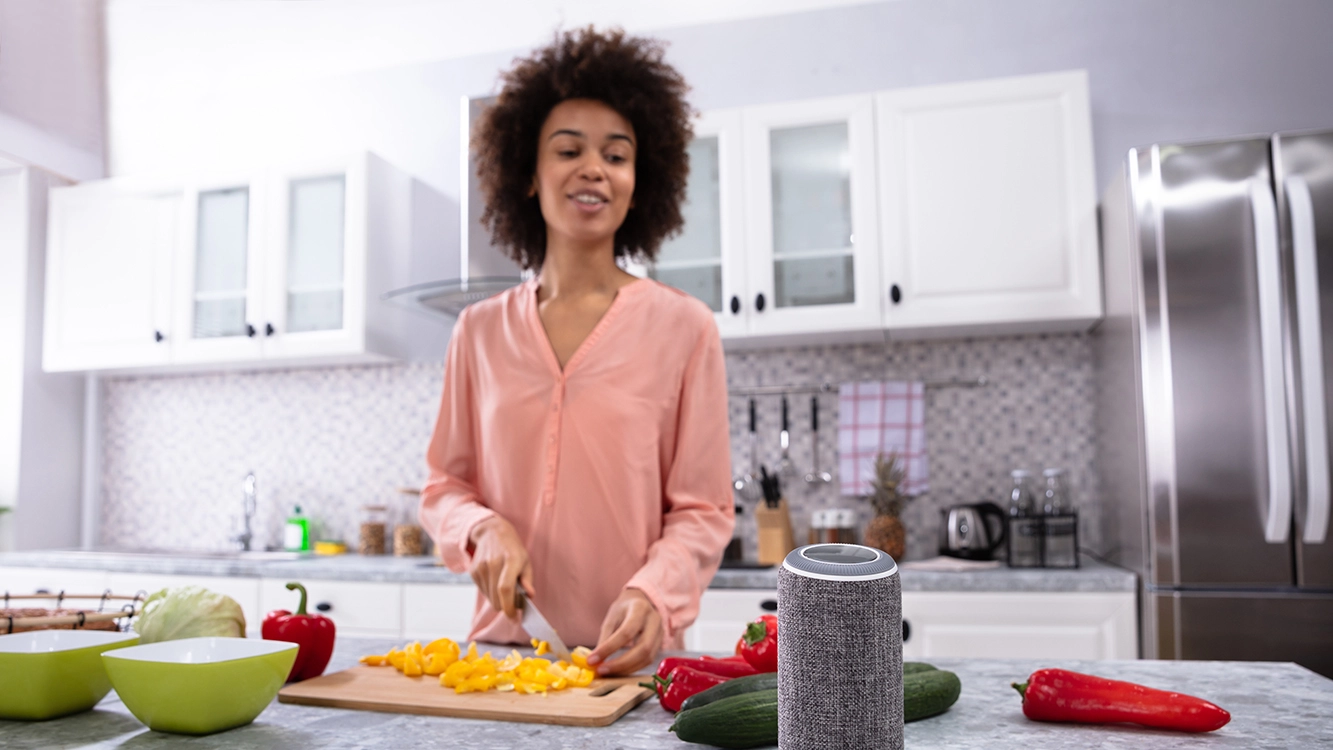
<point x="840" y="650"/>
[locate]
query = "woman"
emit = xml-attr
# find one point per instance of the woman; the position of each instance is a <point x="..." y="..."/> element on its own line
<point x="582" y="449"/>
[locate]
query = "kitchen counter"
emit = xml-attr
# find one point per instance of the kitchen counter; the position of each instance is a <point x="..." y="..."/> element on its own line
<point x="1093" y="576"/>
<point x="1272" y="705"/>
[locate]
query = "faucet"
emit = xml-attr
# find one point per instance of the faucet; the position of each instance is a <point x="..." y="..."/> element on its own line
<point x="248" y="503"/>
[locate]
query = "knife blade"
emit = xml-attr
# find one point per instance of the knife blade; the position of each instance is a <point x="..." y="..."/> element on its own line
<point x="538" y="627"/>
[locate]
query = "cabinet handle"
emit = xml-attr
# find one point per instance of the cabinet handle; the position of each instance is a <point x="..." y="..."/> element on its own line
<point x="759" y="302"/>
<point x="735" y="305"/>
<point x="268" y="329"/>
<point x="158" y="337"/>
<point x="324" y="607"/>
<point x="895" y="294"/>
<point x="769" y="605"/>
<point x="907" y="631"/>
<point x="249" y="330"/>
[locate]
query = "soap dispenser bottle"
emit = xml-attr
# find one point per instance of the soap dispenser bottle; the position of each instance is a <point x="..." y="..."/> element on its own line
<point x="296" y="532"/>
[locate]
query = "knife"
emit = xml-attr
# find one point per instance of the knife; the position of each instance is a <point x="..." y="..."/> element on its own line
<point x="538" y="627"/>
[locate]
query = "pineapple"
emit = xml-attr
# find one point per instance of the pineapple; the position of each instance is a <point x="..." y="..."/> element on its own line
<point x="885" y="531"/>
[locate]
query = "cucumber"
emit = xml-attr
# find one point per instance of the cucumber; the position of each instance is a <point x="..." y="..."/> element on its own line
<point x="928" y="693"/>
<point x="734" y="686"/>
<point x="917" y="666"/>
<point x="737" y="721"/>
<point x="750" y="719"/>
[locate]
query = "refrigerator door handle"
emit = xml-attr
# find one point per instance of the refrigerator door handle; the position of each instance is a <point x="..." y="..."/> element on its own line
<point x="1312" y="359"/>
<point x="1277" y="521"/>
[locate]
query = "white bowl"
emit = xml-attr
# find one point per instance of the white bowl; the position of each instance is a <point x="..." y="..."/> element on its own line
<point x="200" y="685"/>
<point x="61" y="670"/>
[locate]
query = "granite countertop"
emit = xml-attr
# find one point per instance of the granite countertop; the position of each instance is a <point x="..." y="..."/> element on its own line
<point x="1093" y="576"/>
<point x="1272" y="705"/>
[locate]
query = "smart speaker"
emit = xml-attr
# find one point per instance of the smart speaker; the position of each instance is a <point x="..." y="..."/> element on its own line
<point x="840" y="649"/>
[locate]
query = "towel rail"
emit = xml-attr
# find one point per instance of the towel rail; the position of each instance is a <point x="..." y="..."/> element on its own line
<point x="826" y="387"/>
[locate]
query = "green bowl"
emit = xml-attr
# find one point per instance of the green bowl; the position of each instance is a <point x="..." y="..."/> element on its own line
<point x="61" y="671"/>
<point x="199" y="685"/>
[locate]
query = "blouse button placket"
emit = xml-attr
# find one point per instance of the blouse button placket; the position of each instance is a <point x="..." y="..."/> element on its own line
<point x="553" y="444"/>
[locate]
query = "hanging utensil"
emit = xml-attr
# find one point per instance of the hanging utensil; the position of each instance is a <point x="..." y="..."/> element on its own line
<point x="747" y="484"/>
<point x="816" y="475"/>
<point x="785" y="466"/>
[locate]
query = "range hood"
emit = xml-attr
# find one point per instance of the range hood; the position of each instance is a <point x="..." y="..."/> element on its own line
<point x="483" y="269"/>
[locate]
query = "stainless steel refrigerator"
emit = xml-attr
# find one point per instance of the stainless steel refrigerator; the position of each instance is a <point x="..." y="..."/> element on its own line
<point x="1214" y="395"/>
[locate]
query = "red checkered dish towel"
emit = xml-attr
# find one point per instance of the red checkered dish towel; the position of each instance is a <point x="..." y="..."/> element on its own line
<point x="876" y="418"/>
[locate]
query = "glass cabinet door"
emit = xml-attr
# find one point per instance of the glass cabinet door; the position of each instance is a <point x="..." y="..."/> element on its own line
<point x="221" y="261"/>
<point x="810" y="193"/>
<point x="316" y="220"/>
<point x="706" y="260"/>
<point x="220" y="278"/>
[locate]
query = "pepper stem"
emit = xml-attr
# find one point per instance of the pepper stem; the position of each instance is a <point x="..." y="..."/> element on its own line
<point x="294" y="586"/>
<point x="755" y="632"/>
<point x="1021" y="687"/>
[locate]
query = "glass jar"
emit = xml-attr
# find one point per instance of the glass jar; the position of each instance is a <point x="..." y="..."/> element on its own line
<point x="374" y="528"/>
<point x="1060" y="525"/>
<point x="1025" y="524"/>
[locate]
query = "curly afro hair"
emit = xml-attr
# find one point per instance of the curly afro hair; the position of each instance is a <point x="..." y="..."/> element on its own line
<point x="625" y="73"/>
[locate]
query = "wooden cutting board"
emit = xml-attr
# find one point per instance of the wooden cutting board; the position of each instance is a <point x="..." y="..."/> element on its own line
<point x="385" y="689"/>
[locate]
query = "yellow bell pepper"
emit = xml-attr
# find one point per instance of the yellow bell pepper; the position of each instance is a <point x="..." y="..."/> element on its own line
<point x="456" y="673"/>
<point x="395" y="658"/>
<point x="374" y="660"/>
<point x="542" y="647"/>
<point x="444" y="648"/>
<point x="585" y="678"/>
<point x="580" y="656"/>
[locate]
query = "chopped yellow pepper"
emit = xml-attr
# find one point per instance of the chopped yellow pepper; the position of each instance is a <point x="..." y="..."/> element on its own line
<point x="471" y="672"/>
<point x="580" y="656"/>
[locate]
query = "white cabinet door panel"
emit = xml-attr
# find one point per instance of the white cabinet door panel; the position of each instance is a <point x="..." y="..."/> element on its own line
<point x="1020" y="625"/>
<point x="436" y="610"/>
<point x="357" y="608"/>
<point x="54" y="580"/>
<point x="110" y="249"/>
<point x="988" y="204"/>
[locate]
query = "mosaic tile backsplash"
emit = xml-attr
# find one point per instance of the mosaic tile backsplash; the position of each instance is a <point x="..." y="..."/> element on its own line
<point x="332" y="440"/>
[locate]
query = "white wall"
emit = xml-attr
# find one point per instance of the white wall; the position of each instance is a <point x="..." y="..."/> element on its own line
<point x="207" y="81"/>
<point x="41" y="415"/>
<point x="51" y="85"/>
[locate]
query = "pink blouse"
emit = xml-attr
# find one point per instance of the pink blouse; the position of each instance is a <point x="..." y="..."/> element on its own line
<point x="615" y="472"/>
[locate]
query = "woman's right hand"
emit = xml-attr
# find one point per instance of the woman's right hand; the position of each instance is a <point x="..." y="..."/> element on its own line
<point x="500" y="564"/>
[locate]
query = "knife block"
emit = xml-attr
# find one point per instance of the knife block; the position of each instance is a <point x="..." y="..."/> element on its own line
<point x="775" y="535"/>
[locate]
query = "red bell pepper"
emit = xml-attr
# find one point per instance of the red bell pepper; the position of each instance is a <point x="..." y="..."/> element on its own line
<point x="1061" y="695"/>
<point x="761" y="643"/>
<point x="312" y="633"/>
<point x="681" y="683"/>
<point x="723" y="667"/>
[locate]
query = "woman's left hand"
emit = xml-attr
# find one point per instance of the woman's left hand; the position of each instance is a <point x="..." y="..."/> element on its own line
<point x="632" y="619"/>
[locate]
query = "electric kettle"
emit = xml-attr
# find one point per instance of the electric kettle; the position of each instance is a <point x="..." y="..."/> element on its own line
<point x="972" y="532"/>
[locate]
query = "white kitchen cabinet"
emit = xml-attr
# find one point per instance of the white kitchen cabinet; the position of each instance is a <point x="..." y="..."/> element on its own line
<point x="436" y="610"/>
<point x="811" y="233"/>
<point x="244" y="590"/>
<point x="723" y="615"/>
<point x="1019" y="625"/>
<point x="988" y="206"/>
<point x="279" y="267"/>
<point x="15" y="580"/>
<point x="1067" y="625"/>
<point x="357" y="608"/>
<point x="707" y="260"/>
<point x="110" y="249"/>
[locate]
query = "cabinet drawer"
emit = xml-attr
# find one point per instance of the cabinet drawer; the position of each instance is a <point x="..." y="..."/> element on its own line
<point x="1014" y="625"/>
<point x="723" y="614"/>
<point x="357" y="608"/>
<point x="435" y="610"/>
<point x="244" y="590"/>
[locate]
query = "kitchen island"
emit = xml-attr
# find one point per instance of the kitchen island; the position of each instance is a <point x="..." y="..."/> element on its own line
<point x="1272" y="705"/>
